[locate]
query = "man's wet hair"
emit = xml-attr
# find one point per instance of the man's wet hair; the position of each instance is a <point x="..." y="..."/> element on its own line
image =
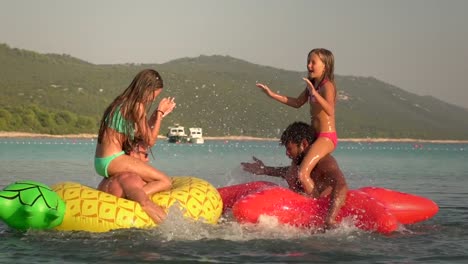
<point x="296" y="132"/>
<point x="133" y="145"/>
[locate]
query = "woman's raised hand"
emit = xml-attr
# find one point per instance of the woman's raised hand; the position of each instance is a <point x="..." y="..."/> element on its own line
<point x="166" y="105"/>
<point x="311" y="86"/>
<point x="264" y="88"/>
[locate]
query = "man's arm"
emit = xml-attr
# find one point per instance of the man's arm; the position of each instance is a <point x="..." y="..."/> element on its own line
<point x="276" y="171"/>
<point x="338" y="192"/>
<point x="258" y="168"/>
<point x="337" y="200"/>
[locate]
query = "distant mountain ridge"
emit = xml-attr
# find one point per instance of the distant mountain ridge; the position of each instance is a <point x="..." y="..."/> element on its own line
<point x="216" y="93"/>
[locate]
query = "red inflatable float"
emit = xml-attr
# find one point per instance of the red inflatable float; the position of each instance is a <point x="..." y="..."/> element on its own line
<point x="407" y="208"/>
<point x="232" y="194"/>
<point x="371" y="208"/>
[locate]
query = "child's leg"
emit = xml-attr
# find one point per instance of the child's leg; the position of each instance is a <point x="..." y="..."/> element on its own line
<point x="321" y="147"/>
<point x="132" y="186"/>
<point x="156" y="180"/>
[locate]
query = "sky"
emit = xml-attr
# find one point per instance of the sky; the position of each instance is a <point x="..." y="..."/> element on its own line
<point x="420" y="46"/>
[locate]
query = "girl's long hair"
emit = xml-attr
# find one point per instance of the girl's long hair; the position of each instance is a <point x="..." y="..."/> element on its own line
<point x="138" y="92"/>
<point x="329" y="61"/>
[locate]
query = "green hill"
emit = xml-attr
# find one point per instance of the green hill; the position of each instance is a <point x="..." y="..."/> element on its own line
<point x="59" y="94"/>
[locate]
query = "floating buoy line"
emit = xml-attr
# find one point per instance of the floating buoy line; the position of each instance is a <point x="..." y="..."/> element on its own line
<point x="229" y="144"/>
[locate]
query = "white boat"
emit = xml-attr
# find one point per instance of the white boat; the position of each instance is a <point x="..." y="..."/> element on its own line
<point x="196" y="135"/>
<point x="177" y="134"/>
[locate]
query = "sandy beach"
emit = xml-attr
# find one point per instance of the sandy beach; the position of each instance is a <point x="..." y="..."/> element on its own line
<point x="4" y="134"/>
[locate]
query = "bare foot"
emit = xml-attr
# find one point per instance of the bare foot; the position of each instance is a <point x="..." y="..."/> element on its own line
<point x="155" y="212"/>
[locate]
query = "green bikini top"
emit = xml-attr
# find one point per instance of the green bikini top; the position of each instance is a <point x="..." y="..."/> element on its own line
<point x="120" y="124"/>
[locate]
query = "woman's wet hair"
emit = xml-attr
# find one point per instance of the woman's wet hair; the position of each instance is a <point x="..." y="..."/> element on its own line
<point x="139" y="91"/>
<point x="328" y="60"/>
<point x="134" y="145"/>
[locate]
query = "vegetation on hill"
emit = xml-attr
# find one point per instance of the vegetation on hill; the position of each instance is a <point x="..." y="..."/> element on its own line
<point x="59" y="94"/>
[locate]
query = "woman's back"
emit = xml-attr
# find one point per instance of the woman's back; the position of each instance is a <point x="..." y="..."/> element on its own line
<point x="111" y="142"/>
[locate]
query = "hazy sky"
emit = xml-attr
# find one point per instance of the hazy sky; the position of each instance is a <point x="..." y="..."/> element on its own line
<point x="420" y="46"/>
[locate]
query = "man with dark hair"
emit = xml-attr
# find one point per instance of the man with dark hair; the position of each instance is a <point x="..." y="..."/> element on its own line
<point x="326" y="177"/>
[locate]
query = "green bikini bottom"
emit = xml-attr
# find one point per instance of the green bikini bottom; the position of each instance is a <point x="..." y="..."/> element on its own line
<point x="101" y="164"/>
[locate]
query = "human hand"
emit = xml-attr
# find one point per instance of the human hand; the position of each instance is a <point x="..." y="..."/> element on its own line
<point x="311" y="87"/>
<point x="166" y="105"/>
<point x="264" y="88"/>
<point x="154" y="211"/>
<point x="257" y="167"/>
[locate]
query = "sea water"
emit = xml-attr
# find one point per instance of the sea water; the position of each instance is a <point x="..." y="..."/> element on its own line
<point x="435" y="171"/>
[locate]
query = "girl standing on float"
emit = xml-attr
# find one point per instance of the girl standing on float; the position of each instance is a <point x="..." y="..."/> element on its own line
<point x="321" y="95"/>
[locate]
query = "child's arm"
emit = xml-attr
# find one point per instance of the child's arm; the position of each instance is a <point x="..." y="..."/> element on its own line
<point x="150" y="126"/>
<point x="327" y="101"/>
<point x="294" y="102"/>
<point x="154" y="122"/>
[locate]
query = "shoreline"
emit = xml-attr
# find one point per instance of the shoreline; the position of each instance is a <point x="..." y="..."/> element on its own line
<point x="4" y="134"/>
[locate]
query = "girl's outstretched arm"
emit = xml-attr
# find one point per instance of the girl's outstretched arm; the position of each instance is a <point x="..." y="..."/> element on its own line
<point x="294" y="102"/>
<point x="327" y="101"/>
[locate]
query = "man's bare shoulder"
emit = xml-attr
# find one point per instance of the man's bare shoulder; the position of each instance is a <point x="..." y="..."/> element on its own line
<point x="327" y="161"/>
<point x="330" y="169"/>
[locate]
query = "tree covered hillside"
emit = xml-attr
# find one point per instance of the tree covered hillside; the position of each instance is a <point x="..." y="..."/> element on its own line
<point x="59" y="94"/>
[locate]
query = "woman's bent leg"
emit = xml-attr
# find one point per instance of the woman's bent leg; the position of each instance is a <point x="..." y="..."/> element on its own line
<point x="321" y="147"/>
<point x="132" y="186"/>
<point x="156" y="180"/>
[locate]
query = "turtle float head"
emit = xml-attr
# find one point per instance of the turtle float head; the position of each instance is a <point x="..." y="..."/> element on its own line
<point x="30" y="204"/>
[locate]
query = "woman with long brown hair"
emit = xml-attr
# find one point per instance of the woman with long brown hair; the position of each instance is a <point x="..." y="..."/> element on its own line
<point x="126" y="118"/>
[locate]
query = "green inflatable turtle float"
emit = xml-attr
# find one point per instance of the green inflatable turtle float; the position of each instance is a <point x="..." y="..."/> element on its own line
<point x="31" y="205"/>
